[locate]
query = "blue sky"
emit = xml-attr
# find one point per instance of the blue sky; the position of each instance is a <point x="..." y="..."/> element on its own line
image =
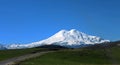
<point x="25" y="21"/>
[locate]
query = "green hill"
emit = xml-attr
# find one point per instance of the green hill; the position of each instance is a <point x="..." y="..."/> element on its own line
<point x="6" y="54"/>
<point x="107" y="54"/>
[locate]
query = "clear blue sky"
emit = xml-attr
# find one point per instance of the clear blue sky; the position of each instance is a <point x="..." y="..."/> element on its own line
<point x="25" y="21"/>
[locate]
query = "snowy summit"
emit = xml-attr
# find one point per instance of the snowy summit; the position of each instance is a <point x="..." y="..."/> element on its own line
<point x="72" y="38"/>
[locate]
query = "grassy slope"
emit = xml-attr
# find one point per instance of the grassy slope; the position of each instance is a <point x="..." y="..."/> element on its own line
<point x="6" y="54"/>
<point x="70" y="57"/>
<point x="115" y="51"/>
<point x="103" y="56"/>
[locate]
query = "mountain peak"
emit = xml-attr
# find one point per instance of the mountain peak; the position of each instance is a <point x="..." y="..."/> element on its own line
<point x="73" y="30"/>
<point x="62" y="32"/>
<point x="68" y="31"/>
<point x="68" y="38"/>
<point x="72" y="37"/>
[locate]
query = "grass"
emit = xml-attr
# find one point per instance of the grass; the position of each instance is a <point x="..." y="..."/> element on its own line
<point x="6" y="54"/>
<point x="72" y="57"/>
<point x="116" y="53"/>
<point x="96" y="55"/>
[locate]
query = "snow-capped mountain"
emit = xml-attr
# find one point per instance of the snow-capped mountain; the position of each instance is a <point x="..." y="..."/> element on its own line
<point x="72" y="38"/>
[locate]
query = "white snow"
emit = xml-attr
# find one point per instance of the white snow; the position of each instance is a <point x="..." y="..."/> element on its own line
<point x="70" y="38"/>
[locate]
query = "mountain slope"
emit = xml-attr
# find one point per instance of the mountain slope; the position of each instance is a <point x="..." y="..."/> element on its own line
<point x="72" y="39"/>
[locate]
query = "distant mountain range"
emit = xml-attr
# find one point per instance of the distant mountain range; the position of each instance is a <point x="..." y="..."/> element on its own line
<point x="71" y="39"/>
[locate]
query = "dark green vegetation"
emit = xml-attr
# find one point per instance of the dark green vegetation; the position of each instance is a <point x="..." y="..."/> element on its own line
<point x="107" y="54"/>
<point x="6" y="54"/>
<point x="70" y="57"/>
<point x="52" y="47"/>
